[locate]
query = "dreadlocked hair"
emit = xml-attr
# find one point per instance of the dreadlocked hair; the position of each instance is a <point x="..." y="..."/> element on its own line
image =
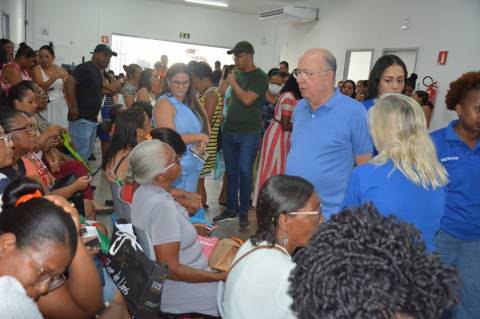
<point x="361" y="264"/>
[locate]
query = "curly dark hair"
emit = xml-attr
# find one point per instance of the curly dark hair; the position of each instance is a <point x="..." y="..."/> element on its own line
<point x="461" y="87"/>
<point x="362" y="264"/>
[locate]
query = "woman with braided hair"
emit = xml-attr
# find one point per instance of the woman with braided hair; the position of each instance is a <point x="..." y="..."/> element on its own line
<point x="362" y="264"/>
<point x="288" y="212"/>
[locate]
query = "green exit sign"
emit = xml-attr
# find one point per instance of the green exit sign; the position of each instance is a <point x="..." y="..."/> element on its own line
<point x="184" y="35"/>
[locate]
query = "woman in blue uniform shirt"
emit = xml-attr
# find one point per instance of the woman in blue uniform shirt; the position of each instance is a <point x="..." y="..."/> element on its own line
<point x="458" y="148"/>
<point x="388" y="75"/>
<point x="405" y="178"/>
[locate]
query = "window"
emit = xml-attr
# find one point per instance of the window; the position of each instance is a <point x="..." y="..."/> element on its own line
<point x="357" y="64"/>
<point x="408" y="56"/>
<point x="145" y="52"/>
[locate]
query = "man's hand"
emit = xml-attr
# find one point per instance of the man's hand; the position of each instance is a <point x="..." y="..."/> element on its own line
<point x="73" y="113"/>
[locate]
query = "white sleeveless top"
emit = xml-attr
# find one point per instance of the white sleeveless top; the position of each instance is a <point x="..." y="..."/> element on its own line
<point x="57" y="86"/>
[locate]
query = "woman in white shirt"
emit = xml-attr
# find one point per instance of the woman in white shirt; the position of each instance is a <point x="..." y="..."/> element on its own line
<point x="288" y="212"/>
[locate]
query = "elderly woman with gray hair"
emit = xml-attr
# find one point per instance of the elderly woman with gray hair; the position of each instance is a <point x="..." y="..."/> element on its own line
<point x="191" y="286"/>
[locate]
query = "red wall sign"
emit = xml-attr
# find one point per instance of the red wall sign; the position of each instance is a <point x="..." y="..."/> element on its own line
<point x="442" y="57"/>
<point x="104" y="39"/>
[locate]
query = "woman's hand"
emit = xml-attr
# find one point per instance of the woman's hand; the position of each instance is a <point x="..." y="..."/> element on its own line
<point x="222" y="275"/>
<point x="202" y="230"/>
<point x="81" y="183"/>
<point x="203" y="138"/>
<point x="69" y="208"/>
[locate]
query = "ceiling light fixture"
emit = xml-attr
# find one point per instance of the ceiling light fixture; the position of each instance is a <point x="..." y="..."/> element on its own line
<point x="209" y="3"/>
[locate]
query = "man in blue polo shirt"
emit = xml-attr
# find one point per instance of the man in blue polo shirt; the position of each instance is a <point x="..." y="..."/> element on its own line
<point x="458" y="149"/>
<point x="330" y="133"/>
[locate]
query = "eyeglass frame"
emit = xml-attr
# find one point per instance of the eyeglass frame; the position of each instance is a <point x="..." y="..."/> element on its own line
<point x="318" y="215"/>
<point x="31" y="129"/>
<point x="177" y="161"/>
<point x="307" y="75"/>
<point x="52" y="281"/>
<point x="179" y="84"/>
<point x="7" y="139"/>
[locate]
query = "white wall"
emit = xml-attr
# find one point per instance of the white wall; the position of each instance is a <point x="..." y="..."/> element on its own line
<point x="16" y="10"/>
<point x="75" y="27"/>
<point x="435" y="25"/>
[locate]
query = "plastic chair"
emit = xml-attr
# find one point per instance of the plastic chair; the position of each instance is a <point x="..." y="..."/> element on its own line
<point x="122" y="209"/>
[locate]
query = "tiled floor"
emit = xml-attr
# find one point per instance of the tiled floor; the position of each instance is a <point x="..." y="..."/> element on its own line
<point x="225" y="229"/>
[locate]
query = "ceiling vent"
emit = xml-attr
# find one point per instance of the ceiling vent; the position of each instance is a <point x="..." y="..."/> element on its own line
<point x="291" y="14"/>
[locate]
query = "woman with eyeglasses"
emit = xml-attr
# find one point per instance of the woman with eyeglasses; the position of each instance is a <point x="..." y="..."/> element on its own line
<point x="191" y="286"/>
<point x="38" y="241"/>
<point x="288" y="213"/>
<point x="24" y="135"/>
<point x="79" y="296"/>
<point x="180" y="110"/>
<point x="405" y="179"/>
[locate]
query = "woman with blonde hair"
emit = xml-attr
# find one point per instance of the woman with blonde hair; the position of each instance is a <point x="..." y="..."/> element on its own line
<point x="405" y="178"/>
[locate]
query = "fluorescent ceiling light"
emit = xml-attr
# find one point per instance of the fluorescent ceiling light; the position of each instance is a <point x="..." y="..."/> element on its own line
<point x="210" y="3"/>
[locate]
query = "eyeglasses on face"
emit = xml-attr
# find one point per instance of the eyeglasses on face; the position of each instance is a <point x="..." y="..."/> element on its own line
<point x="31" y="129"/>
<point x="306" y="74"/>
<point x="318" y="214"/>
<point x="176" y="162"/>
<point x="6" y="139"/>
<point x="45" y="277"/>
<point x="177" y="84"/>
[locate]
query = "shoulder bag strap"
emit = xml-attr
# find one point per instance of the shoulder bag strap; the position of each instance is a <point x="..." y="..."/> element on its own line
<point x="255" y="249"/>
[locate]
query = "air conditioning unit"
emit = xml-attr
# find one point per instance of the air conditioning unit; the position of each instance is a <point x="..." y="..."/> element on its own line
<point x="291" y="14"/>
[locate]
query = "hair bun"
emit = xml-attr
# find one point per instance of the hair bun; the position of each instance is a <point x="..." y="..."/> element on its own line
<point x="50" y="44"/>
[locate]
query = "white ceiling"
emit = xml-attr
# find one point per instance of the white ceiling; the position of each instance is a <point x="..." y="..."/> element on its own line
<point x="244" y="6"/>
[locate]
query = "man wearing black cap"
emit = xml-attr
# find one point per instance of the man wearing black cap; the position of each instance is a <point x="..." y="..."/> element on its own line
<point x="83" y="91"/>
<point x="242" y="129"/>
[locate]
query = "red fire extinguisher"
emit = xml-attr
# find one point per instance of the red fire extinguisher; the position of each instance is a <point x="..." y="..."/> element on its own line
<point x="432" y="87"/>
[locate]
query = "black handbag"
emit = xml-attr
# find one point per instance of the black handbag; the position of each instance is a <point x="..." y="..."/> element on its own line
<point x="138" y="278"/>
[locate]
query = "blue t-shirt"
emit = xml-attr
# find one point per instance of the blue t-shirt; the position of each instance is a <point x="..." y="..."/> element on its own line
<point x="324" y="144"/>
<point x="462" y="211"/>
<point x="393" y="193"/>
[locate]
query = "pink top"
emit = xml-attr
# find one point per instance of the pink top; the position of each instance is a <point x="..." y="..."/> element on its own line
<point x="5" y="86"/>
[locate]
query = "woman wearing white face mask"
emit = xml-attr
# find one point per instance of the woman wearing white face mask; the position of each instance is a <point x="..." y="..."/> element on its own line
<point x="276" y="141"/>
<point x="275" y="84"/>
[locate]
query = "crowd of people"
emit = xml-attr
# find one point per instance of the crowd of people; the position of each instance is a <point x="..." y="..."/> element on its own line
<point x="360" y="211"/>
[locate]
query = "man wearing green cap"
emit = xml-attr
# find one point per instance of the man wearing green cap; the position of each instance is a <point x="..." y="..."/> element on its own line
<point x="242" y="129"/>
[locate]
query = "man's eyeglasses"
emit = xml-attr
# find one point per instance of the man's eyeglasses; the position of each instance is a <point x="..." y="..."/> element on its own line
<point x="45" y="276"/>
<point x="177" y="84"/>
<point x="306" y="74"/>
<point x="29" y="128"/>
